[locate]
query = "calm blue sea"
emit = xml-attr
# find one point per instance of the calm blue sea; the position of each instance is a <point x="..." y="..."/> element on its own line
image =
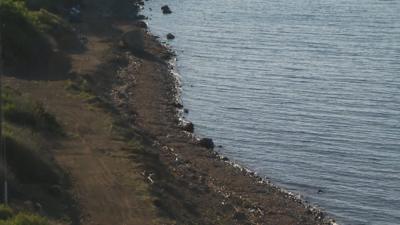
<point x="306" y="92"/>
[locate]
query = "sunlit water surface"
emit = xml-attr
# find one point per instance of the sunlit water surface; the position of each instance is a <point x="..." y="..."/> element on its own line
<point x="306" y="92"/>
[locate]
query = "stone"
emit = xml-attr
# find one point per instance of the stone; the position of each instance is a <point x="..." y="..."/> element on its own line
<point x="188" y="126"/>
<point x="170" y="36"/>
<point x="207" y="143"/>
<point x="141" y="24"/>
<point x="178" y="105"/>
<point x="140" y="17"/>
<point x="166" y="10"/>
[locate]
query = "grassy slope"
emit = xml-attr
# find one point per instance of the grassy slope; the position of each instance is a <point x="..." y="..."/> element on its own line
<point x="9" y="217"/>
<point x="29" y="130"/>
<point x="34" y="177"/>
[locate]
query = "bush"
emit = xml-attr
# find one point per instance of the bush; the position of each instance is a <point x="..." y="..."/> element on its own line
<point x="18" y="34"/>
<point x="28" y="219"/>
<point x="20" y="39"/>
<point x="5" y="212"/>
<point x="22" y="111"/>
<point x="25" y="219"/>
<point x="51" y="23"/>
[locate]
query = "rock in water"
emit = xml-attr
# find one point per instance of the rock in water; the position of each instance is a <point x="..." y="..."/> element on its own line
<point x="166" y="10"/>
<point x="207" y="143"/>
<point x="170" y="36"/>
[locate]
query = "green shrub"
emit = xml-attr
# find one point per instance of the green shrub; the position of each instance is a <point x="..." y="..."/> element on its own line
<point x="51" y="23"/>
<point x="28" y="219"/>
<point x="25" y="219"/>
<point x="22" y="111"/>
<point x="21" y="40"/>
<point x="5" y="212"/>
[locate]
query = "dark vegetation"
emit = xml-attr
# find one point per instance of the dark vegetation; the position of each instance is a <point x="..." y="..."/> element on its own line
<point x="23" y="112"/>
<point x="20" y="37"/>
<point x="31" y="34"/>
<point x="26" y="129"/>
<point x="33" y="176"/>
<point x="9" y="217"/>
<point x="32" y="29"/>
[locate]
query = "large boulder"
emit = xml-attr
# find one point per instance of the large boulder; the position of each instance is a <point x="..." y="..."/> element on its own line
<point x="207" y="143"/>
<point x="166" y="10"/>
<point x="134" y="40"/>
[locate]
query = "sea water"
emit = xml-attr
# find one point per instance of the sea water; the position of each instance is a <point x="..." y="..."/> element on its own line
<point x="306" y="92"/>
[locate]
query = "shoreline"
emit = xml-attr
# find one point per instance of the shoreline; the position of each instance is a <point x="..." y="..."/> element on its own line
<point x="173" y="72"/>
<point x="248" y="171"/>
<point x="126" y="156"/>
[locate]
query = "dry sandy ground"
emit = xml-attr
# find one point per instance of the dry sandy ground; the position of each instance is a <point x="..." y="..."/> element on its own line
<point x="152" y="172"/>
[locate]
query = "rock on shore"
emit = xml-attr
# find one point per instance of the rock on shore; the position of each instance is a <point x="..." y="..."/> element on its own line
<point x="207" y="143"/>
